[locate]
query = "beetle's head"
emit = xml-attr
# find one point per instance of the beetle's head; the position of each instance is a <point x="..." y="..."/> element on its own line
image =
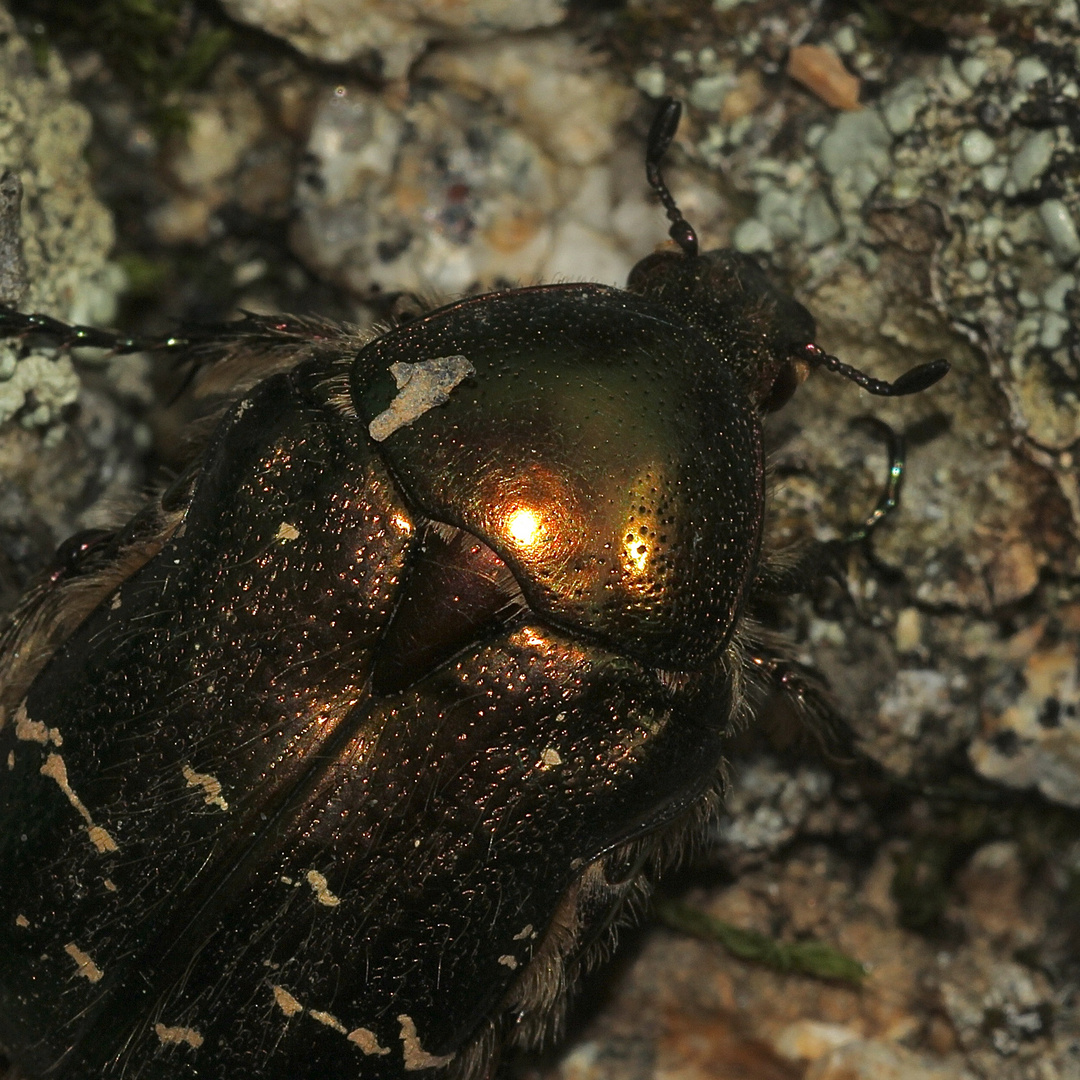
<point x="764" y="336"/>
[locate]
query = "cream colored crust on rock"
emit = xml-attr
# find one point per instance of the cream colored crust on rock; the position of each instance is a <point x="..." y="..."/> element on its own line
<point x="396" y="31"/>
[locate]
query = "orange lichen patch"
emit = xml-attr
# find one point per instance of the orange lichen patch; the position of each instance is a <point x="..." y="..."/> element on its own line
<point x="821" y="71"/>
<point x="511" y="232"/>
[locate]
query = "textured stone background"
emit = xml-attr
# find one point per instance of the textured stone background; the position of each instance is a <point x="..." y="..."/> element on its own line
<point x="915" y="182"/>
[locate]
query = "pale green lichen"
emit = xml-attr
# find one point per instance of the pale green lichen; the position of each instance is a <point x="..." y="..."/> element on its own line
<point x="66" y="232"/>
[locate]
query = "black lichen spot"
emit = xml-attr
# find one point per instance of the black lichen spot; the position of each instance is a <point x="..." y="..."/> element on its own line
<point x="1006" y="742"/>
<point x="1050" y="713"/>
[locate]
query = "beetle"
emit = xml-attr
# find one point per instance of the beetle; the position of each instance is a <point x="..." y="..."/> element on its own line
<point x="343" y="755"/>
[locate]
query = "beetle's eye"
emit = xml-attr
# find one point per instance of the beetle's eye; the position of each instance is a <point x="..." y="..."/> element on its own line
<point x="786" y="383"/>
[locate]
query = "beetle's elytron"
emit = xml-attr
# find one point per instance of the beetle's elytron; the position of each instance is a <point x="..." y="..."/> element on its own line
<point x="340" y="757"/>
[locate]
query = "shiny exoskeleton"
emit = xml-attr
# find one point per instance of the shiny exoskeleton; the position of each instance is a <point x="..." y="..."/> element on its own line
<point x="339" y="759"/>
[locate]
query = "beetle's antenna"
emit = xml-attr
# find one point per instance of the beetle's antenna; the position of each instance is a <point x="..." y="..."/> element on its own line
<point x="911" y="382"/>
<point x="661" y="133"/>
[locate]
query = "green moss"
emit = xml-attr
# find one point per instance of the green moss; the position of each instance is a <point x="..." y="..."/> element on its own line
<point x="159" y="47"/>
<point x="145" y="277"/>
<point x="812" y="958"/>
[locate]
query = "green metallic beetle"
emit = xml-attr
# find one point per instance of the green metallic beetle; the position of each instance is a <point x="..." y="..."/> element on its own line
<point x="340" y="758"/>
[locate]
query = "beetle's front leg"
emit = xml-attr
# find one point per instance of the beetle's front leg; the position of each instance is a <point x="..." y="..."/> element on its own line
<point x="810" y="562"/>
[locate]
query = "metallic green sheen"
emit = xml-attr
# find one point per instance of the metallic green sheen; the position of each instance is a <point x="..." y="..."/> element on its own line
<point x="614" y="424"/>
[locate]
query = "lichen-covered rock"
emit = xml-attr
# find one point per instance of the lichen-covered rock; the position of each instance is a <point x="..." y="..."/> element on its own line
<point x="51" y="472"/>
<point x="496" y="168"/>
<point x="1030" y="731"/>
<point x="388" y="35"/>
<point x="65" y="232"/>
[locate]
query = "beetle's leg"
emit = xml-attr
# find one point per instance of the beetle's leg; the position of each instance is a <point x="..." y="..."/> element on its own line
<point x="821" y="558"/>
<point x="248" y="348"/>
<point x="251" y="331"/>
<point x="771" y="668"/>
<point x="17" y="324"/>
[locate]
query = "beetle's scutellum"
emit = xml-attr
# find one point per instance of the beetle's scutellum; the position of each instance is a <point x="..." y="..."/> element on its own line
<point x="338" y="759"/>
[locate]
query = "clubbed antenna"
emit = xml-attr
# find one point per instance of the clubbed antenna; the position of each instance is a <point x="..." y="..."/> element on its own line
<point x="911" y="382"/>
<point x="661" y="133"/>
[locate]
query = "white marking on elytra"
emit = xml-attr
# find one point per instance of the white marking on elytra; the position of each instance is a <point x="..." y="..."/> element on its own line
<point x="286" y="1002"/>
<point x="22" y="922"/>
<point x="509" y="961"/>
<point x="525" y="933"/>
<point x="287" y="531"/>
<point x="329" y="1019"/>
<point x="87" y="968"/>
<point x="210" y="784"/>
<point x="34" y="730"/>
<point x="322" y="892"/>
<point x="11" y="760"/>
<point x="416" y="1057"/>
<point x="174" y="1036"/>
<point x="55" y="769"/>
<point x="367" y="1041"/>
<point x="361" y="1037"/>
<point x="550" y="758"/>
<point x="420" y="387"/>
<point x="109" y="885"/>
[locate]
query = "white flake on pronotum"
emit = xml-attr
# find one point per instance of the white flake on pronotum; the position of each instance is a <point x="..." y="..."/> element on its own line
<point x="329" y="1019"/>
<point x="210" y="784"/>
<point x="109" y="885"/>
<point x="11" y="760"/>
<point x="322" y="892"/>
<point x="87" y="968"/>
<point x="525" y="933"/>
<point x="286" y="1002"/>
<point x="420" y="387"/>
<point x="416" y="1057"/>
<point x="22" y="922"/>
<point x="34" y="730"/>
<point x="550" y="758"/>
<point x="367" y="1041"/>
<point x="174" y="1036"/>
<point x="242" y="407"/>
<point x="55" y="769"/>
<point x="117" y="600"/>
<point x="508" y="961"/>
<point x="286" y="531"/>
